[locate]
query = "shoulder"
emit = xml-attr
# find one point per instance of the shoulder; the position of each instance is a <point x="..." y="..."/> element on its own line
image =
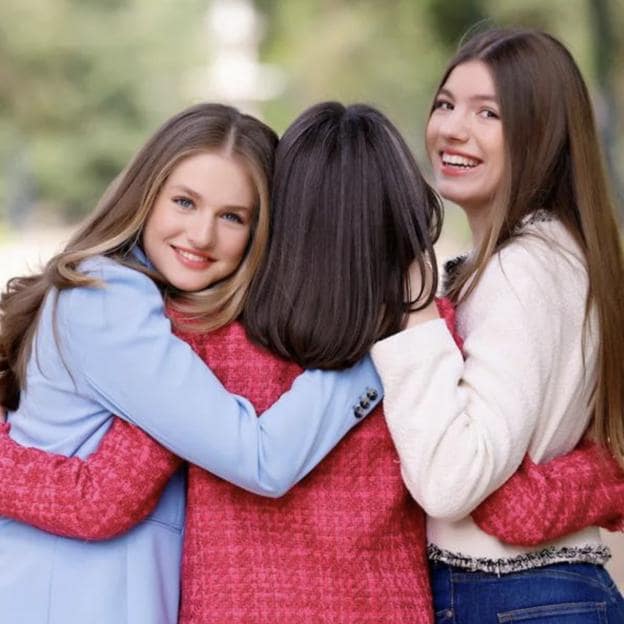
<point x="541" y="260"/>
<point x="122" y="293"/>
<point x="547" y="240"/>
<point x="115" y="276"/>
<point x="537" y="283"/>
<point x="112" y="272"/>
<point x="541" y="249"/>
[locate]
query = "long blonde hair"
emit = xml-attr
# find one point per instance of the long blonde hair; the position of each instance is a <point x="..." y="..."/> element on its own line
<point x="555" y="164"/>
<point x="116" y="226"/>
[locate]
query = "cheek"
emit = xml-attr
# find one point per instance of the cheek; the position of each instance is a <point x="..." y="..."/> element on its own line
<point x="158" y="222"/>
<point x="497" y="144"/>
<point x="430" y="135"/>
<point x="149" y="236"/>
<point x="235" y="245"/>
<point x="501" y="160"/>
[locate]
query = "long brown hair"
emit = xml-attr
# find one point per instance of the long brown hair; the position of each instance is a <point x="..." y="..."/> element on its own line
<point x="350" y="212"/>
<point x="116" y="226"/>
<point x="554" y="163"/>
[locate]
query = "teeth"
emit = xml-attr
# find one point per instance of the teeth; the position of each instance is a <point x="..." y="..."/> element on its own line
<point x="461" y="161"/>
<point x="191" y="256"/>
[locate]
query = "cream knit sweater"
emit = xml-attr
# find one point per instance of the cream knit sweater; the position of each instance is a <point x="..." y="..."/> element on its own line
<point x="462" y="426"/>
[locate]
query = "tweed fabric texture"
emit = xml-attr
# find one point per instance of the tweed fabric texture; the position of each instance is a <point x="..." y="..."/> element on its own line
<point x="583" y="488"/>
<point x="104" y="496"/>
<point x="346" y="545"/>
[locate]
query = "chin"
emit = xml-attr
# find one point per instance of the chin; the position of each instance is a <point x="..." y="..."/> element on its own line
<point x="455" y="195"/>
<point x="188" y="286"/>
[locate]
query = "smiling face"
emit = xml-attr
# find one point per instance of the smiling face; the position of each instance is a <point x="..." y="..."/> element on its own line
<point x="465" y="139"/>
<point x="200" y="224"/>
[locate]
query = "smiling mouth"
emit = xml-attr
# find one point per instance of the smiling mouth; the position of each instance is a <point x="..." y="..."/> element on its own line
<point x="192" y="259"/>
<point x="460" y="162"/>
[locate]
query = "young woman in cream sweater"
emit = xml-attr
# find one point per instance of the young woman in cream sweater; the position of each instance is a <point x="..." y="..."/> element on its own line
<point x="511" y="139"/>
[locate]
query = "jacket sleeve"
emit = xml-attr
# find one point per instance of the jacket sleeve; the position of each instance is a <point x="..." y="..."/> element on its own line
<point x="97" y="498"/>
<point x="124" y="357"/>
<point x="544" y="502"/>
<point x="462" y="426"/>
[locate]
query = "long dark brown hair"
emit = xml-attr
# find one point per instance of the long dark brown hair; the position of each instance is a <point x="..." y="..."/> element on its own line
<point x="554" y="163"/>
<point x="350" y="212"/>
<point x="117" y="223"/>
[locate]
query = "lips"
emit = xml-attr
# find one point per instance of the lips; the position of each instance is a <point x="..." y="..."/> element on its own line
<point x="192" y="259"/>
<point x="455" y="163"/>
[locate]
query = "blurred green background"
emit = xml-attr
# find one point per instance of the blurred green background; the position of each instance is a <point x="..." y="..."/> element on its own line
<point x="84" y="82"/>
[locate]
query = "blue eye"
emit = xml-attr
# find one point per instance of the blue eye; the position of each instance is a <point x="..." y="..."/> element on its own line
<point x="233" y="217"/>
<point x="185" y="202"/>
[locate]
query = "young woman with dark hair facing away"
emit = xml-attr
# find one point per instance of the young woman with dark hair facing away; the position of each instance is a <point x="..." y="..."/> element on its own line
<point x="185" y="223"/>
<point x="512" y="140"/>
<point x="350" y="214"/>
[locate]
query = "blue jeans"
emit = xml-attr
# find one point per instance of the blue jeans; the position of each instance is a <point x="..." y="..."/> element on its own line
<point x="565" y="593"/>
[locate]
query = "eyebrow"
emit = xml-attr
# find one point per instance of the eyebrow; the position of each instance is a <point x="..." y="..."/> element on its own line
<point x="478" y="97"/>
<point x="195" y="195"/>
<point x="187" y="190"/>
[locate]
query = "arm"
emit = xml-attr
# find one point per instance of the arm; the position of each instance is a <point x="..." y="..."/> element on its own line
<point x="462" y="428"/>
<point x="544" y="502"/>
<point x="127" y="359"/>
<point x="97" y="498"/>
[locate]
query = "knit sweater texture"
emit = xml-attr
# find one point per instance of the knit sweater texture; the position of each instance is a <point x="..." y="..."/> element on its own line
<point x="346" y="545"/>
<point x="524" y="387"/>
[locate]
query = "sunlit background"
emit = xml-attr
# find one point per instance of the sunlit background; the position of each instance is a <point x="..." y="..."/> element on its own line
<point x="84" y="82"/>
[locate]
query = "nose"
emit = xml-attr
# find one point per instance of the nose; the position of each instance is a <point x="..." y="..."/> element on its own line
<point x="201" y="231"/>
<point x="455" y="126"/>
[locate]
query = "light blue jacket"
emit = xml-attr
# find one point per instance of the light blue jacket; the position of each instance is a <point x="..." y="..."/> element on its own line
<point x="116" y="355"/>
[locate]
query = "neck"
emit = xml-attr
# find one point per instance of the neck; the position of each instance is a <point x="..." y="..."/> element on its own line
<point x="479" y="223"/>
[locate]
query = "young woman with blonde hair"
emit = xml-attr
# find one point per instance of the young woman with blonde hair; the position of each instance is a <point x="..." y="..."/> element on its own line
<point x="512" y="140"/>
<point x="186" y="225"/>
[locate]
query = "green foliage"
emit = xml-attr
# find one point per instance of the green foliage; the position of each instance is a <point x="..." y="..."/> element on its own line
<point x="392" y="54"/>
<point x="83" y="83"/>
<point x="451" y="20"/>
<point x="380" y="53"/>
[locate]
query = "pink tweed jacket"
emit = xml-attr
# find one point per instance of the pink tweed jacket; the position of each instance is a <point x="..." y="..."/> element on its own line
<point x="346" y="545"/>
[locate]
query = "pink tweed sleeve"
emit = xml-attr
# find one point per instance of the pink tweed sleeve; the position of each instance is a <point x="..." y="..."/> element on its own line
<point x="544" y="502"/>
<point x="97" y="498"/>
